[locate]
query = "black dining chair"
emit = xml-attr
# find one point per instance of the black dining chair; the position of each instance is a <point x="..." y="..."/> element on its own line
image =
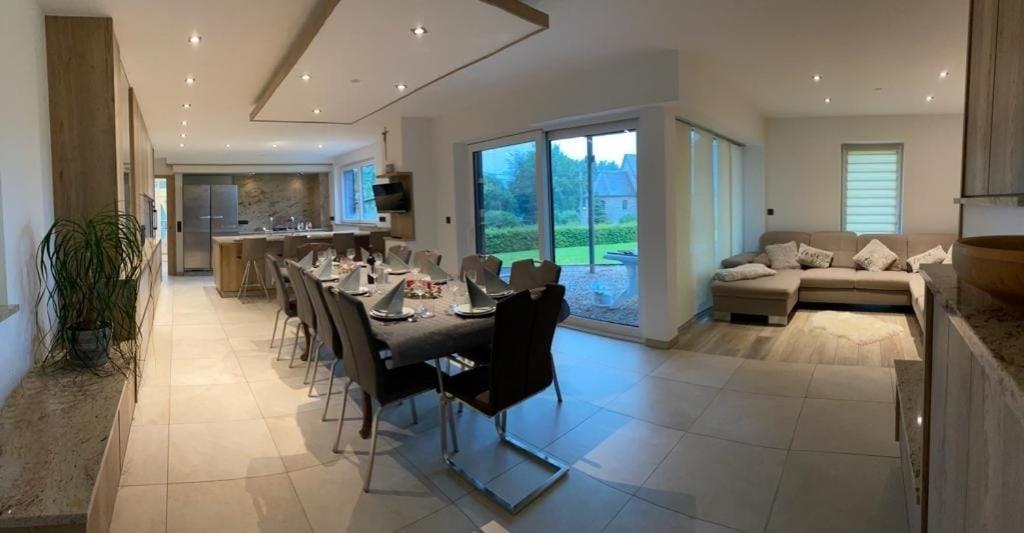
<point x="365" y="366"/>
<point x="426" y="255"/>
<point x="526" y="275"/>
<point x="285" y="298"/>
<point x="307" y="319"/>
<point x="479" y="263"/>
<point x="325" y="336"/>
<point x="520" y="367"/>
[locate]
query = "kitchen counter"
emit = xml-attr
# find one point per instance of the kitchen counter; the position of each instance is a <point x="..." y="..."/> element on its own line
<point x="280" y="235"/>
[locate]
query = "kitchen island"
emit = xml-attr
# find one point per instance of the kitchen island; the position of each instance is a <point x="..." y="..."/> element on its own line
<point x="227" y="254"/>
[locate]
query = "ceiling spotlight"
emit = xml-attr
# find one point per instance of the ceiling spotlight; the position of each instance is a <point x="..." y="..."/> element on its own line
<point x="273" y="146"/>
<point x="184" y="123"/>
<point x="316" y="110"/>
<point x="319" y="146"/>
<point x="419" y="31"/>
<point x="305" y="77"/>
<point x="181" y="145"/>
<point x="400" y="86"/>
<point x="190" y="80"/>
<point x="194" y="39"/>
<point x="816" y="78"/>
<point x="228" y="145"/>
<point x="828" y="100"/>
<point x="186" y="105"/>
<point x="182" y="135"/>
<point x="944" y="74"/>
<point x="930" y="98"/>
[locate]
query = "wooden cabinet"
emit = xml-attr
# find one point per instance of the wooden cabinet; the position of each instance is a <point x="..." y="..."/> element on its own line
<point x="994" y="116"/>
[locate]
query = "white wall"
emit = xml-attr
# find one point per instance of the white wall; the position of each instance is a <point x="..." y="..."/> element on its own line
<point x="803" y="180"/>
<point x="982" y="220"/>
<point x="25" y="183"/>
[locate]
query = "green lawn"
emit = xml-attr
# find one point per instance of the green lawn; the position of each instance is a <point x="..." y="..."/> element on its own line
<point x="576" y="255"/>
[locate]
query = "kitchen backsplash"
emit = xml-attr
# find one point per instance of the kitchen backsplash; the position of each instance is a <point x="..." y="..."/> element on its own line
<point x="261" y="196"/>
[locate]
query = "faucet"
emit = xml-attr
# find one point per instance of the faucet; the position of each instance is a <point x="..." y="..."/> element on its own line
<point x="291" y="223"/>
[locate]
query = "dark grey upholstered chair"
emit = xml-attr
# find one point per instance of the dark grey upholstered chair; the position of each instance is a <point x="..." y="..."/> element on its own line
<point x="291" y="246"/>
<point x="477" y="264"/>
<point x="527" y="275"/>
<point x="326" y="336"/>
<point x="363" y="365"/>
<point x="520" y="367"/>
<point x="342" y="242"/>
<point x="402" y="251"/>
<point x="285" y="298"/>
<point x="426" y="255"/>
<point x="377" y="243"/>
<point x="307" y="318"/>
<point x="318" y="247"/>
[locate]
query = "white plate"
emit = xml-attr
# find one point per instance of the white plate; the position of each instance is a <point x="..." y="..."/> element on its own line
<point x="406" y="313"/>
<point x="466" y="310"/>
<point x="397" y="272"/>
<point x="502" y="294"/>
<point x="358" y="292"/>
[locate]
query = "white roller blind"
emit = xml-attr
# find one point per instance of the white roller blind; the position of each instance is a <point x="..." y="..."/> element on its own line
<point x="872" y="187"/>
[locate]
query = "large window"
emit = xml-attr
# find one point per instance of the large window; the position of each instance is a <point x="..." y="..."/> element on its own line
<point x="872" y="187"/>
<point x="357" y="193"/>
<point x="506" y="200"/>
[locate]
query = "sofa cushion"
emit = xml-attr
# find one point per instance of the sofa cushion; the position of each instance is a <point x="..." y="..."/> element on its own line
<point x="782" y="256"/>
<point x="842" y="244"/>
<point x="917" y="286"/>
<point x="738" y="259"/>
<point x="828" y="278"/>
<point x="875" y="257"/>
<point x="882" y="281"/>
<point x="918" y="243"/>
<point x="742" y="272"/>
<point x="782" y="237"/>
<point x="895" y="243"/>
<point x="778" y="287"/>
<point x="812" y="257"/>
<point x="931" y="257"/>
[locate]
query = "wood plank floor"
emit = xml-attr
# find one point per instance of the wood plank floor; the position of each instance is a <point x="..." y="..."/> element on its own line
<point x="798" y="343"/>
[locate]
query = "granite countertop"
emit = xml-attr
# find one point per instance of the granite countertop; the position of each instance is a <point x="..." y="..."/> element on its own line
<point x="280" y="235"/>
<point x="910" y="386"/>
<point x="994" y="331"/>
<point x="53" y="433"/>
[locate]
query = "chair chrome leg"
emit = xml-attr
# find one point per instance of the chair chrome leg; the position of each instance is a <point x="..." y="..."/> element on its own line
<point x="284" y="333"/>
<point x="341" y="417"/>
<point x="412" y="407"/>
<point x="554" y="374"/>
<point x="296" y="345"/>
<point x="273" y="334"/>
<point x="313" y="361"/>
<point x="451" y="428"/>
<point x="330" y="387"/>
<point x="373" y="448"/>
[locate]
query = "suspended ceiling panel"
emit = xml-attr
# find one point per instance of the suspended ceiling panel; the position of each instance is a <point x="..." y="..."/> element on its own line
<point x="366" y="57"/>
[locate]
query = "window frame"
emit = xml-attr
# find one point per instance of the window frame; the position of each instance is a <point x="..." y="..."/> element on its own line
<point x="357" y="169"/>
<point x="854" y="147"/>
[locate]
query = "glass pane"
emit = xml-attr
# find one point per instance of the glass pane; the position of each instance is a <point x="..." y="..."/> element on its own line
<point x="595" y="228"/>
<point x="348" y="195"/>
<point x="369" y="206"/>
<point x="506" y="201"/>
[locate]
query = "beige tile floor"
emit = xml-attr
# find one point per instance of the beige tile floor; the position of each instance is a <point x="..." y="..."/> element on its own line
<point x="226" y="439"/>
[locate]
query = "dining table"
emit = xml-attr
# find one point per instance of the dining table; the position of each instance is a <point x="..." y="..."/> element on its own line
<point x="420" y="339"/>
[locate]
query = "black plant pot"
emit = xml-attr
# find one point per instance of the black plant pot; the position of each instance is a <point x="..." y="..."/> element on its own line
<point x="89" y="348"/>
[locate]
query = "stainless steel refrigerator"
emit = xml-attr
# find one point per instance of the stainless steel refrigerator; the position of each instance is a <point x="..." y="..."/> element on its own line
<point x="208" y="211"/>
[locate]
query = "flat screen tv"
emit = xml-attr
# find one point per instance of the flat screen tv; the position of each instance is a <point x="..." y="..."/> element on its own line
<point x="390" y="198"/>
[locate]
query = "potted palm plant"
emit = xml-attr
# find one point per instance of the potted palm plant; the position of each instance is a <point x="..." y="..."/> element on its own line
<point x="89" y="278"/>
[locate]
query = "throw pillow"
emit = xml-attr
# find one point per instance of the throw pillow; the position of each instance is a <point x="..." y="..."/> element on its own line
<point x="935" y="255"/>
<point x="949" y="256"/>
<point x="747" y="271"/>
<point x="782" y="256"/>
<point x="810" y="256"/>
<point x="762" y="258"/>
<point x="875" y="257"/>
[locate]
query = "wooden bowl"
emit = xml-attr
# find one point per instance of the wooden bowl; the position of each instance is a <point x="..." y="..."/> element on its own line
<point x="994" y="264"/>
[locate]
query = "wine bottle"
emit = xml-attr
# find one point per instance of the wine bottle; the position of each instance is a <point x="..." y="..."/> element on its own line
<point x="370" y="262"/>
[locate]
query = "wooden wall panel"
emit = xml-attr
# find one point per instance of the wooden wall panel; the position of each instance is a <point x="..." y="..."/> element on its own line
<point x="1006" y="163"/>
<point x="142" y="159"/>
<point x="978" y="120"/>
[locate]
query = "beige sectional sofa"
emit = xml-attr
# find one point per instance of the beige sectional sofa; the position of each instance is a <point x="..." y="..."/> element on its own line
<point x="841" y="283"/>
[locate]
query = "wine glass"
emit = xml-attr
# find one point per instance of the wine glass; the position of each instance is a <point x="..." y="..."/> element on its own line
<point x="455" y="287"/>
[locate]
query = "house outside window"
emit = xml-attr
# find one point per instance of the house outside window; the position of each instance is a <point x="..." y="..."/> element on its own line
<point x="357" y="193"/>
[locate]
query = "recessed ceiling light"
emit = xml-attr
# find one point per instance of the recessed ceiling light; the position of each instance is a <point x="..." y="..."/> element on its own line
<point x="355" y="80"/>
<point x="319" y="146"/>
<point x="181" y="145"/>
<point x="195" y="39"/>
<point x="228" y="145"/>
<point x="400" y="86"/>
<point x="316" y="110"/>
<point x="944" y="74"/>
<point x="419" y="31"/>
<point x="305" y="77"/>
<point x="186" y="105"/>
<point x="816" y="78"/>
<point x="930" y="98"/>
<point x="182" y="135"/>
<point x="190" y="80"/>
<point x="828" y="100"/>
<point x="184" y="123"/>
<point x="273" y="146"/>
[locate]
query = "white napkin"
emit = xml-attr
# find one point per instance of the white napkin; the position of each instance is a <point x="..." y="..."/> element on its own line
<point x="431" y="269"/>
<point x="307" y="262"/>
<point x="477" y="297"/>
<point x="325" y="271"/>
<point x="395" y="263"/>
<point x="350" y="283"/>
<point x="492" y="283"/>
<point x="391" y="303"/>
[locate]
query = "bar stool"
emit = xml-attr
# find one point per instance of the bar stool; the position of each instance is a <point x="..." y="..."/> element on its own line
<point x="253" y="250"/>
<point x="291" y="246"/>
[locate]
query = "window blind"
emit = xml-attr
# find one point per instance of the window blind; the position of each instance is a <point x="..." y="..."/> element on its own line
<point x="872" y="188"/>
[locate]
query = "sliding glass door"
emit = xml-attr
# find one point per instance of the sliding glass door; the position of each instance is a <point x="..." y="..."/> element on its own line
<point x="594" y="223"/>
<point x="505" y="178"/>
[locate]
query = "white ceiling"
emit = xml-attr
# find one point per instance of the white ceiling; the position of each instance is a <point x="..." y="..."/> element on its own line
<point x="766" y="50"/>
